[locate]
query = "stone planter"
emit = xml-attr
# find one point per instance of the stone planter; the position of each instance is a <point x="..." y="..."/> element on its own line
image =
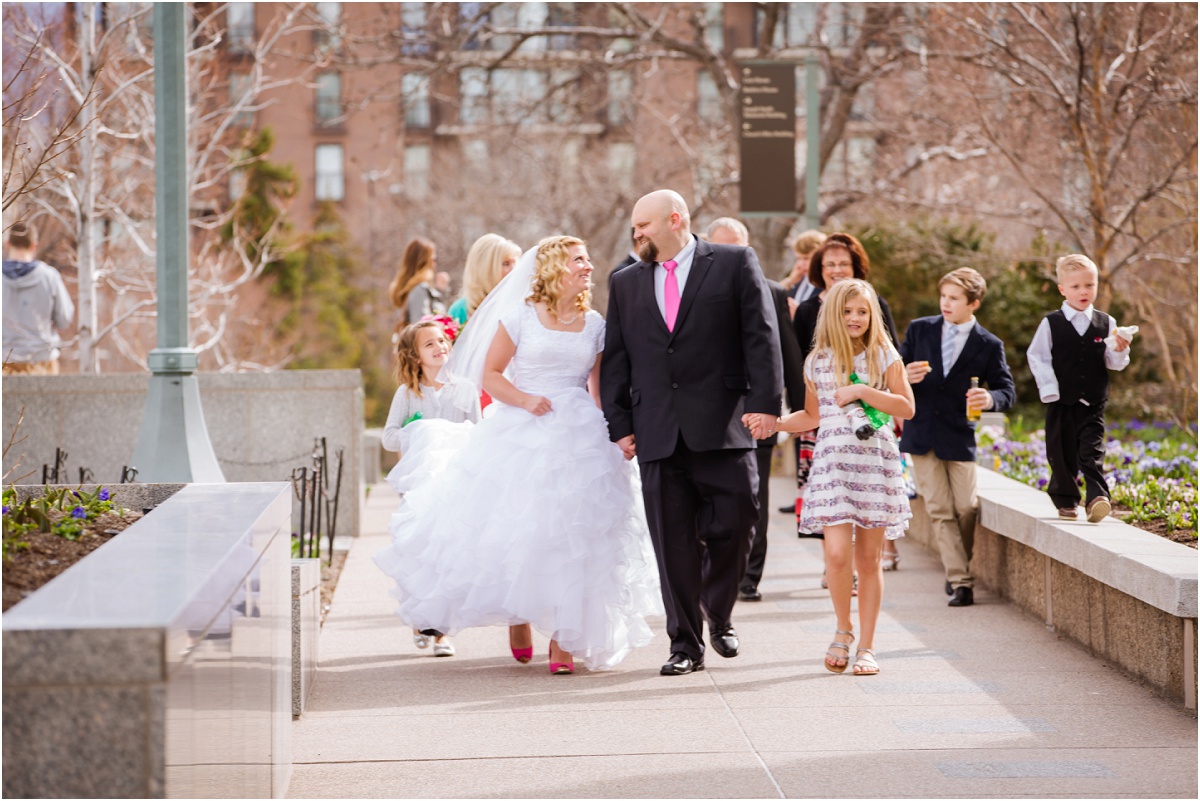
<point x="158" y="666"/>
<point x="306" y="628"/>
<point x="1127" y="595"/>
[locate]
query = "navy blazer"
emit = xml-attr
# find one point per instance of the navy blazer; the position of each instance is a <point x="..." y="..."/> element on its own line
<point x="940" y="423"/>
<point x="722" y="359"/>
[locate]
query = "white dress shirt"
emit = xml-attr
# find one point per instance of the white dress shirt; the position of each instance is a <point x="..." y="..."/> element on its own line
<point x="1039" y="357"/>
<point x="683" y="266"/>
<point x="961" y="332"/>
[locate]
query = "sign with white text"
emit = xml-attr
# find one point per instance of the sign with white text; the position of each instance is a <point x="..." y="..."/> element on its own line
<point x="767" y="138"/>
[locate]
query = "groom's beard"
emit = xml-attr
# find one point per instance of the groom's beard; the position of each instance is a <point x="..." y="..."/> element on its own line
<point x="647" y="251"/>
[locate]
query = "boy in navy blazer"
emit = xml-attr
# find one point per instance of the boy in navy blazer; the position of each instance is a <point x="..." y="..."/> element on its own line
<point x="942" y="354"/>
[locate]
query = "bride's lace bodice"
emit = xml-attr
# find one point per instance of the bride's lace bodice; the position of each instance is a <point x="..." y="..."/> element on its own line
<point x="548" y="360"/>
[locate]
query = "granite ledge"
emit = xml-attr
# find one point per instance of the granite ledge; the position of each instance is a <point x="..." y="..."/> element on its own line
<point x="1145" y="566"/>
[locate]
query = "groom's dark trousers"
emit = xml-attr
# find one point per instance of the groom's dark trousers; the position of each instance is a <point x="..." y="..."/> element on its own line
<point x="682" y="394"/>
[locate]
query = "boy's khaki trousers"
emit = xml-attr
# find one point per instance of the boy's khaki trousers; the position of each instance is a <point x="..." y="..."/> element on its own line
<point x="948" y="489"/>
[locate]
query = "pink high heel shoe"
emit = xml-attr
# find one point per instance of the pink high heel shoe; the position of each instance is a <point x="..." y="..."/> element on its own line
<point x="522" y="655"/>
<point x="561" y="668"/>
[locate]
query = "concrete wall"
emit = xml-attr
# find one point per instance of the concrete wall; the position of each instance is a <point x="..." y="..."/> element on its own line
<point x="262" y="425"/>
<point x="1127" y="595"/>
<point x="159" y="665"/>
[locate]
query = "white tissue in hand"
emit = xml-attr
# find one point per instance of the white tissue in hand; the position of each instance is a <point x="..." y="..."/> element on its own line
<point x="1126" y="333"/>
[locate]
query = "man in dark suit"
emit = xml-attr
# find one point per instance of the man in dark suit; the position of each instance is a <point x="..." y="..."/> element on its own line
<point x="691" y="365"/>
<point x="729" y="231"/>
<point x="943" y="353"/>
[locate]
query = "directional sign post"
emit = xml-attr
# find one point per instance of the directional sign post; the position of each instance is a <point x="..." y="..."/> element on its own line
<point x="767" y="138"/>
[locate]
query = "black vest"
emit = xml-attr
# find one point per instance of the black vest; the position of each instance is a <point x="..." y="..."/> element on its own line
<point x="1078" y="361"/>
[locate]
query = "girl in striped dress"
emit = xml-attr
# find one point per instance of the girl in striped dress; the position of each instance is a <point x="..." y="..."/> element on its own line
<point x="855" y="489"/>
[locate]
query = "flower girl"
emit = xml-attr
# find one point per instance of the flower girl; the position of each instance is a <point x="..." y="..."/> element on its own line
<point x="421" y="352"/>
<point x="855" y="489"/>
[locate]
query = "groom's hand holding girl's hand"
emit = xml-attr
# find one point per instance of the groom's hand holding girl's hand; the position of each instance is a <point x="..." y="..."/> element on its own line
<point x="761" y="425"/>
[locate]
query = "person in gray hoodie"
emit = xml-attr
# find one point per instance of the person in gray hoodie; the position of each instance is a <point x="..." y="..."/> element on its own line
<point x="35" y="304"/>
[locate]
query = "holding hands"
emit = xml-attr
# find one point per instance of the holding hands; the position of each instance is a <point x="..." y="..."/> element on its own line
<point x="761" y="425"/>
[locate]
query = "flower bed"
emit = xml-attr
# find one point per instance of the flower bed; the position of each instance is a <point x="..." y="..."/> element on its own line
<point x="46" y="534"/>
<point x="1150" y="469"/>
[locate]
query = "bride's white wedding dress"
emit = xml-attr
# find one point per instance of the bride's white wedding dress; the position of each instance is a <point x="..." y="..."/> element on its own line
<point x="527" y="519"/>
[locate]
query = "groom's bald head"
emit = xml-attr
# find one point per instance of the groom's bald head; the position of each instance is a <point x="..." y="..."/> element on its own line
<point x="663" y="203"/>
<point x="662" y="225"/>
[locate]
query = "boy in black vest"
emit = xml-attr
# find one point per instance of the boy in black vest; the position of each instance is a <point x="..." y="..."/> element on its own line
<point x="1070" y="360"/>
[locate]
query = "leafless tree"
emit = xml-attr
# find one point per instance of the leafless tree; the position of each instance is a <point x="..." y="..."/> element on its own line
<point x="1090" y="109"/>
<point x="98" y="177"/>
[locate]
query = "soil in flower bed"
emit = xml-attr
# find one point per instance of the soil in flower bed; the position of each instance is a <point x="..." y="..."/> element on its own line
<point x="1159" y="526"/>
<point x="49" y="554"/>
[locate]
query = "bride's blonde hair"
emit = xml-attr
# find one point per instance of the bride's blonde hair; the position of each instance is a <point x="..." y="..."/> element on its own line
<point x="833" y="336"/>
<point x="552" y="259"/>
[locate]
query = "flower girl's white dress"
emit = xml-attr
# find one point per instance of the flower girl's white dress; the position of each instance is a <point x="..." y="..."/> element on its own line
<point x="527" y="519"/>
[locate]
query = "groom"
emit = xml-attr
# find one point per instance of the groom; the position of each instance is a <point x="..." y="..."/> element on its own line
<point x="691" y="358"/>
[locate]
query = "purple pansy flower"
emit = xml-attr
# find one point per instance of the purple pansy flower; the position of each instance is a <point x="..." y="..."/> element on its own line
<point x="79" y="513"/>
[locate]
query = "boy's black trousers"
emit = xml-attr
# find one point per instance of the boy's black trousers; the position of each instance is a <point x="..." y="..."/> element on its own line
<point x="1074" y="445"/>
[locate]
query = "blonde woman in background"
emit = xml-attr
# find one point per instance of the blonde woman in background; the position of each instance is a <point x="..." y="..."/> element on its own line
<point x="412" y="291"/>
<point x="796" y="283"/>
<point x="491" y="258"/>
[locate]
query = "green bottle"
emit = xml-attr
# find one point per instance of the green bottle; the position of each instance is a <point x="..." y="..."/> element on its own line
<point x="413" y="416"/>
<point x="875" y="418"/>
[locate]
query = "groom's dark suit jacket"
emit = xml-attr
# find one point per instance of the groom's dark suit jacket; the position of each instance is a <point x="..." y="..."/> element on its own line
<point x="722" y="359"/>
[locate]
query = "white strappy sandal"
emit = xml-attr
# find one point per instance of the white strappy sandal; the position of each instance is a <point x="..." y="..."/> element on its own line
<point x="844" y="646"/>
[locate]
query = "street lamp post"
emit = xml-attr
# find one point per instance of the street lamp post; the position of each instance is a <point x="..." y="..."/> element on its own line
<point x="173" y="443"/>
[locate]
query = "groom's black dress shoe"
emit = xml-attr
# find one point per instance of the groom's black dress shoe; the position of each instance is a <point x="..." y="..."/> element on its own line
<point x="749" y="593"/>
<point x="724" y="641"/>
<point x="680" y="664"/>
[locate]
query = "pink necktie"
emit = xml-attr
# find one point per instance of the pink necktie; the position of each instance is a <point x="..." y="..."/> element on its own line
<point x="671" y="294"/>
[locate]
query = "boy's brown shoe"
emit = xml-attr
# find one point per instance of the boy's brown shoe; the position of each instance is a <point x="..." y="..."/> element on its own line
<point x="1098" y="509"/>
<point x="1070" y="513"/>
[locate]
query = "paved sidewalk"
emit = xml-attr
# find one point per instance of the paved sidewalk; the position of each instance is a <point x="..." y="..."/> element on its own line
<point x="971" y="703"/>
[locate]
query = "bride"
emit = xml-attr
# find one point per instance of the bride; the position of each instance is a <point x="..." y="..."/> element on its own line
<point x="536" y="518"/>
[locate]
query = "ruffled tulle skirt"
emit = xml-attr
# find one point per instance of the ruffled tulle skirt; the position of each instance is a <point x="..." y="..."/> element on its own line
<point x="524" y="519"/>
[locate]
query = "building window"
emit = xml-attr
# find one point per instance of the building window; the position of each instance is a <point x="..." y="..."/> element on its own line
<point x="237" y="184"/>
<point x="331" y="176"/>
<point x="475" y="156"/>
<point x="239" y="22"/>
<point x="561" y="15"/>
<point x="714" y="25"/>
<point x="622" y="161"/>
<point x="329" y="97"/>
<point x="416" y="171"/>
<point x="413" y="21"/>
<point x="620" y="97"/>
<point x="517" y="96"/>
<point x="518" y="16"/>
<point x="240" y="97"/>
<point x="708" y="99"/>
<point x="473" y="95"/>
<point x="564" y="95"/>
<point x="472" y="17"/>
<point x="328" y="33"/>
<point x="414" y="90"/>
